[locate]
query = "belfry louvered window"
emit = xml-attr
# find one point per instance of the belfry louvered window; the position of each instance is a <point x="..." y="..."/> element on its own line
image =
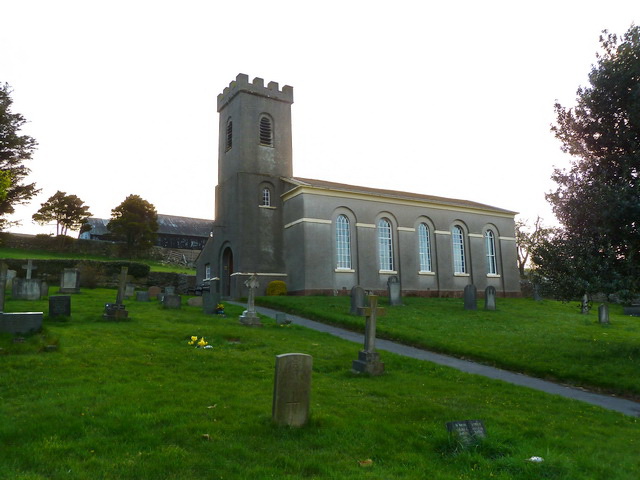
<point x="266" y="131"/>
<point x="229" y="134"/>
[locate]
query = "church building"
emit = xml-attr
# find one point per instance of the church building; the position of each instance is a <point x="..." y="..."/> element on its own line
<point x="322" y="237"/>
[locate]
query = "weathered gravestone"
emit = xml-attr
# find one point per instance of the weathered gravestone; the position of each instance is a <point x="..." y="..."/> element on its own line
<point x="250" y="317"/>
<point x="117" y="311"/>
<point x="16" y="322"/>
<point x="633" y="310"/>
<point x="537" y="296"/>
<point x="394" y="291"/>
<point x="292" y="389"/>
<point x="470" y="297"/>
<point x="27" y="288"/>
<point x="70" y="281"/>
<point x="368" y="359"/>
<point x="211" y="297"/>
<point x="59" y="306"/>
<point x="169" y="290"/>
<point x="173" y="302"/>
<point x="603" y="314"/>
<point x="129" y="290"/>
<point x="358" y="296"/>
<point x="490" y="298"/>
<point x="142" y="296"/>
<point x="154" y="291"/>
<point x="467" y="432"/>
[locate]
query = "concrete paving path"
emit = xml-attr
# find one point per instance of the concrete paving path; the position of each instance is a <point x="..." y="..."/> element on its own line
<point x="627" y="407"/>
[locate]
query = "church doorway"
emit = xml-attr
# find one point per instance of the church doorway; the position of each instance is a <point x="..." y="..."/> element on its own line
<point x="227" y="270"/>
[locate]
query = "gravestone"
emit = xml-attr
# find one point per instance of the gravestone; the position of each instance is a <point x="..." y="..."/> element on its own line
<point x="70" y="281"/>
<point x="490" y="298"/>
<point x="11" y="274"/>
<point x="154" y="291"/>
<point x="16" y="322"/>
<point x="211" y="297"/>
<point x="129" y="290"/>
<point x="250" y="317"/>
<point x="281" y="319"/>
<point x="357" y="299"/>
<point x="470" y="297"/>
<point x="394" y="291"/>
<point x="368" y="359"/>
<point x="633" y="310"/>
<point x="537" y="296"/>
<point x="59" y="306"/>
<point x="117" y="311"/>
<point x="292" y="389"/>
<point x="467" y="432"/>
<point x="26" y="289"/>
<point x="195" y="302"/>
<point x="603" y="314"/>
<point x="169" y="290"/>
<point x="172" y="301"/>
<point x="29" y="267"/>
<point x="142" y="296"/>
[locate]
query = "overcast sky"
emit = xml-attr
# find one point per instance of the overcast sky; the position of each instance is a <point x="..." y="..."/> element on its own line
<point x="444" y="98"/>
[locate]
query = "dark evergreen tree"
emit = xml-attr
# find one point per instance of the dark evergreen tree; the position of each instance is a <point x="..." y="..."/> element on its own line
<point x="135" y="222"/>
<point x="597" y="200"/>
<point x="14" y="150"/>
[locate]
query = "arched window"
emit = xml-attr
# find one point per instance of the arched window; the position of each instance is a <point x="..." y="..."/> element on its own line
<point x="490" y="249"/>
<point x="459" y="262"/>
<point x="229" y="134"/>
<point x="343" y="242"/>
<point x="266" y="197"/>
<point x="385" y="245"/>
<point x="266" y="131"/>
<point x="424" y="248"/>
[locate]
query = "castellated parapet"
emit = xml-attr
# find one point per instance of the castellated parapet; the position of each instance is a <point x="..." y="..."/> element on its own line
<point x="241" y="84"/>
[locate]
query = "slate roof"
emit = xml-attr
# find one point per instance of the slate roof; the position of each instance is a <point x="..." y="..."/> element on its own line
<point x="394" y="194"/>
<point x="167" y="225"/>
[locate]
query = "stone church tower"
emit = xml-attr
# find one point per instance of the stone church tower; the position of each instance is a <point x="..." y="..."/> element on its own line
<point x="254" y="154"/>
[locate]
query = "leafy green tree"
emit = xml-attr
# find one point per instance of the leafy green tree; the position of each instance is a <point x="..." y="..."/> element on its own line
<point x="135" y="222"/>
<point x="68" y="211"/>
<point x="597" y="199"/>
<point x="14" y="150"/>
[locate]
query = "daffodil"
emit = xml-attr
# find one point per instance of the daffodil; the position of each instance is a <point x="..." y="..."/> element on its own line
<point x="202" y="342"/>
<point x="194" y="339"/>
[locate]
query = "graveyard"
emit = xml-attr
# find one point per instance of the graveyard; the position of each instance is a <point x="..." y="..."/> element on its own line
<point x="133" y="399"/>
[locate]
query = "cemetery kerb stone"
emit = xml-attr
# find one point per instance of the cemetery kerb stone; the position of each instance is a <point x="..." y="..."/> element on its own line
<point x="368" y="359"/>
<point x="394" y="291"/>
<point x="470" y="297"/>
<point x="16" y="322"/>
<point x="490" y="298"/>
<point x="357" y="299"/>
<point x="250" y="317"/>
<point x="70" y="281"/>
<point x="59" y="306"/>
<point x="292" y="389"/>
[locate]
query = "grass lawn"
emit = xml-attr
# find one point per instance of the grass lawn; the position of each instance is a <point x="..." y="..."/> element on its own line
<point x="547" y="339"/>
<point x="44" y="255"/>
<point x="132" y="400"/>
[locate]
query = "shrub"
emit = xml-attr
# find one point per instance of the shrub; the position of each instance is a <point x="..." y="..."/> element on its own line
<point x="276" y="288"/>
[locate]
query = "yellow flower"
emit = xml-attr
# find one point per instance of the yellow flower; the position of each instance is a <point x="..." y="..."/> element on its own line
<point x="202" y="342"/>
<point x="193" y="339"/>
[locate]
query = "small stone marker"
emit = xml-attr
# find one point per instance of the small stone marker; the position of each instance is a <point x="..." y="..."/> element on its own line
<point x="59" y="306"/>
<point x="357" y="299"/>
<point x="142" y="296"/>
<point x="129" y="290"/>
<point x="368" y="359"/>
<point x="154" y="291"/>
<point x="249" y="317"/>
<point x="281" y="319"/>
<point x="603" y="314"/>
<point x="490" y="298"/>
<point x="394" y="291"/>
<point x="470" y="296"/>
<point x="70" y="281"/>
<point x="169" y="290"/>
<point x="467" y="432"/>
<point x="172" y="301"/>
<point x="292" y="389"/>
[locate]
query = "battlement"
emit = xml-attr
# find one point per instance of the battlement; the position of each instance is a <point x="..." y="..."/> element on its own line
<point x="241" y="84"/>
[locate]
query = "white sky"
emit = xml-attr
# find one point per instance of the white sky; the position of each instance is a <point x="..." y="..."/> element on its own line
<point x="443" y="98"/>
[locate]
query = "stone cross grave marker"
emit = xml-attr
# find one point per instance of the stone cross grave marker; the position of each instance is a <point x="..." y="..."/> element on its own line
<point x="16" y="322"/>
<point x="292" y="389"/>
<point x="394" y="291"/>
<point x="249" y="316"/>
<point x="470" y="296"/>
<point x="368" y="359"/>
<point x="117" y="311"/>
<point x="490" y="298"/>
<point x="29" y="267"/>
<point x="467" y="432"/>
<point x="357" y="299"/>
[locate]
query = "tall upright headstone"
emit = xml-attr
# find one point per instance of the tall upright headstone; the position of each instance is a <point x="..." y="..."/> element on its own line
<point x="292" y="389"/>
<point x="368" y="359"/>
<point x="394" y="291"/>
<point x="211" y="298"/>
<point x="490" y="298"/>
<point x="70" y="281"/>
<point x="603" y="314"/>
<point x="470" y="297"/>
<point x="3" y="284"/>
<point x="357" y="299"/>
<point x="250" y="316"/>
